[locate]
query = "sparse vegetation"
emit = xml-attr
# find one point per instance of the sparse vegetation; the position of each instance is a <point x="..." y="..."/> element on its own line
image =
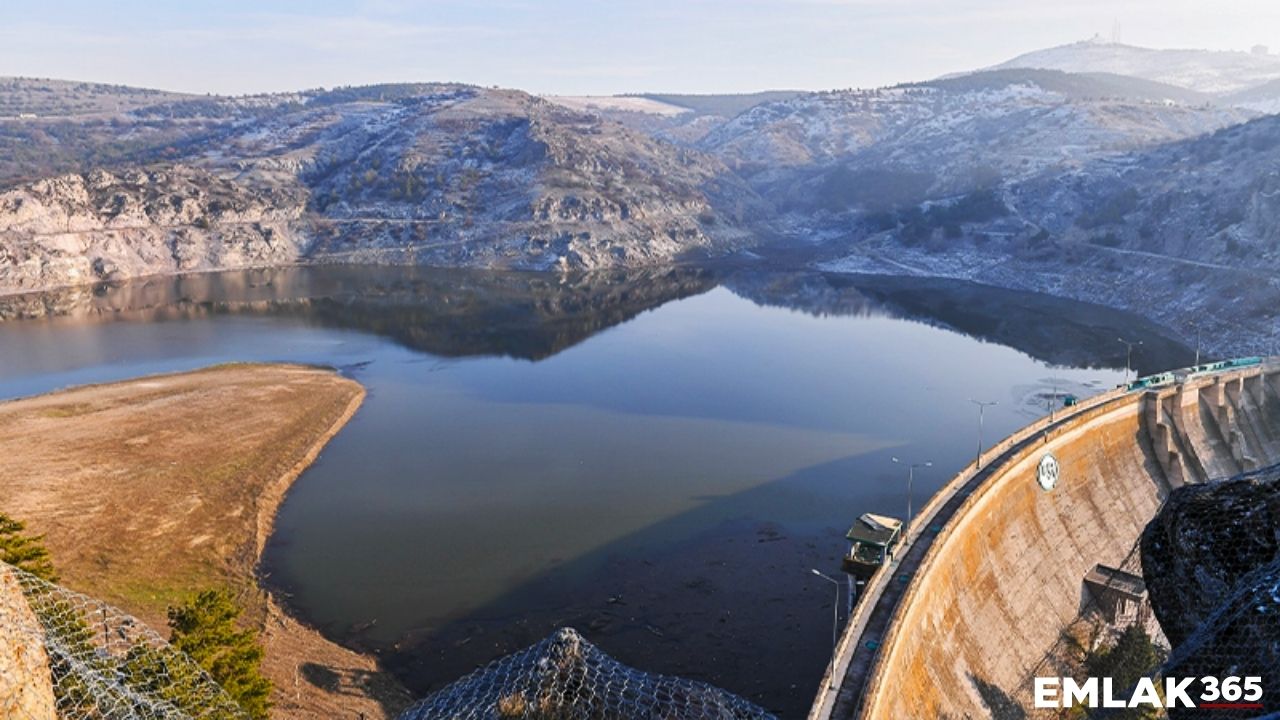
<point x="1131" y="657"/>
<point x="23" y="550"/>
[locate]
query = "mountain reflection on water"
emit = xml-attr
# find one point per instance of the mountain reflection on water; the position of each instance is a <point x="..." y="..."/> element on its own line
<point x="532" y="316"/>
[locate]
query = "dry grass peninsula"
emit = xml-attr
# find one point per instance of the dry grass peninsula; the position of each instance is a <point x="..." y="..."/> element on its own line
<point x="152" y="489"/>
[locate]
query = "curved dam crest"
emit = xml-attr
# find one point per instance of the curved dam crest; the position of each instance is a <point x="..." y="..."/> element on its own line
<point x="971" y="611"/>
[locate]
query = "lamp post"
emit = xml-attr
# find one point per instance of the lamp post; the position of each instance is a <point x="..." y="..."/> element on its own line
<point x="1053" y="397"/>
<point x="911" y="475"/>
<point x="1128" y="358"/>
<point x="982" y="409"/>
<point x="835" y="608"/>
<point x="1196" y="325"/>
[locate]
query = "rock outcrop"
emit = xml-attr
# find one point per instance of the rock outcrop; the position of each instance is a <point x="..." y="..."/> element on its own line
<point x="26" y="686"/>
<point x="77" y="229"/>
<point x="434" y="174"/>
<point x="1212" y="568"/>
<point x="1204" y="541"/>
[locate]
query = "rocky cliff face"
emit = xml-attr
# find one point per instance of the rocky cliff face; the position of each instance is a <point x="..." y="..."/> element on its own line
<point x="428" y="174"/>
<point x="26" y="686"/>
<point x="103" y="226"/>
<point x="1210" y="562"/>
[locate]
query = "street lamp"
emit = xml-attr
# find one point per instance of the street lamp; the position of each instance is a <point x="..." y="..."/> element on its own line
<point x="835" y="607"/>
<point x="1128" y="358"/>
<point x="1196" y="325"/>
<point x="982" y="409"/>
<point x="911" y="474"/>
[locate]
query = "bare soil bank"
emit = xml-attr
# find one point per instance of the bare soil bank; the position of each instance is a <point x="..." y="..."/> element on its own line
<point x="151" y="489"/>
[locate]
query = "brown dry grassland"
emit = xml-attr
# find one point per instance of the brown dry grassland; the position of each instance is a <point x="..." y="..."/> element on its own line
<point x="152" y="489"/>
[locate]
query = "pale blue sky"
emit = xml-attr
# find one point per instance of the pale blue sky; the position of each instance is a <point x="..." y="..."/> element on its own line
<point x="579" y="46"/>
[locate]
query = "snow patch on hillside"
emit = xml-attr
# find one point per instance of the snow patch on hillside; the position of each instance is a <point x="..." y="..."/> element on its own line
<point x="608" y="103"/>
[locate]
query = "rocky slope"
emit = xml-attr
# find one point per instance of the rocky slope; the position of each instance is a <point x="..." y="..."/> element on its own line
<point x="1121" y="190"/>
<point x="102" y="226"/>
<point x="870" y="150"/>
<point x="1184" y="233"/>
<point x="1210" y="563"/>
<point x="429" y="174"/>
<point x="1101" y="188"/>
<point x="502" y="179"/>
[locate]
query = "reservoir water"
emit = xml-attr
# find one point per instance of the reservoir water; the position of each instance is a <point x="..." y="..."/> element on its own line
<point x="658" y="459"/>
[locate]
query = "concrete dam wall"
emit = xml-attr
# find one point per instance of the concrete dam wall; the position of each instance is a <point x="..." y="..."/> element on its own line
<point x="995" y="573"/>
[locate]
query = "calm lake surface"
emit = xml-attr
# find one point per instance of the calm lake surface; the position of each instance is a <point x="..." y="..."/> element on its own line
<point x="657" y="459"/>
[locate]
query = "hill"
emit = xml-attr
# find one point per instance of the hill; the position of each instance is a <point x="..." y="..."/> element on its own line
<point x="63" y="98"/>
<point x="1207" y="71"/>
<point x="431" y="174"/>
<point x="870" y="150"/>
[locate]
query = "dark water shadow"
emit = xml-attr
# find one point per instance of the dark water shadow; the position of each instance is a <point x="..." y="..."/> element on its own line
<point x="1057" y="331"/>
<point x="733" y="602"/>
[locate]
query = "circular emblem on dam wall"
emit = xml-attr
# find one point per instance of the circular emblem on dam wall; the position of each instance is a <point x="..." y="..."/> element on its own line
<point x="1047" y="472"/>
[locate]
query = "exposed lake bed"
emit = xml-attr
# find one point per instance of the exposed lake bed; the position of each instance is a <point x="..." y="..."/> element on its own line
<point x="657" y="459"/>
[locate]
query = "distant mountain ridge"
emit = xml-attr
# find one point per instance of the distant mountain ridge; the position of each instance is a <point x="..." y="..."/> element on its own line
<point x="1209" y="71"/>
<point x="870" y="150"/>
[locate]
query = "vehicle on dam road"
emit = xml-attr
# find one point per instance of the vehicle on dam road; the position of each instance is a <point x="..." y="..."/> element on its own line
<point x="871" y="542"/>
<point x="1159" y="380"/>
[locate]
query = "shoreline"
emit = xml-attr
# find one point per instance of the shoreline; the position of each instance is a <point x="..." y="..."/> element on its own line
<point x="281" y="622"/>
<point x="274" y="495"/>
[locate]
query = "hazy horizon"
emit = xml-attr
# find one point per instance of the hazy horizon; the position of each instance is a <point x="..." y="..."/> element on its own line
<point x="567" y="47"/>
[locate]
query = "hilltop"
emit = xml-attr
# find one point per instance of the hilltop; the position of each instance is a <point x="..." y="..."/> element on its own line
<point x="1209" y="71"/>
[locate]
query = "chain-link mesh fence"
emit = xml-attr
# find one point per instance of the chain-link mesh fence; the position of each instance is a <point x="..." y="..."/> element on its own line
<point x="64" y="655"/>
<point x="1211" y="559"/>
<point x="564" y="677"/>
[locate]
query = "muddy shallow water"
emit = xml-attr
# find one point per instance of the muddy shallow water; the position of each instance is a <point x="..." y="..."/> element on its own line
<point x="657" y="459"/>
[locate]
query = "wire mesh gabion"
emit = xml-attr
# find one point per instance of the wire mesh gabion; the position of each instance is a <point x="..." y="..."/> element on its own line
<point x="564" y="677"/>
<point x="67" y="656"/>
<point x="1211" y="558"/>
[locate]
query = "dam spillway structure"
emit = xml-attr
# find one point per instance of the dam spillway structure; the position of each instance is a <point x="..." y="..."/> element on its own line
<point x="1006" y="558"/>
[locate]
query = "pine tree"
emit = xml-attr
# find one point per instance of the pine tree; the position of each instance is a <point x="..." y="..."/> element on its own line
<point x="205" y="629"/>
<point x="1132" y="657"/>
<point x="26" y="552"/>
